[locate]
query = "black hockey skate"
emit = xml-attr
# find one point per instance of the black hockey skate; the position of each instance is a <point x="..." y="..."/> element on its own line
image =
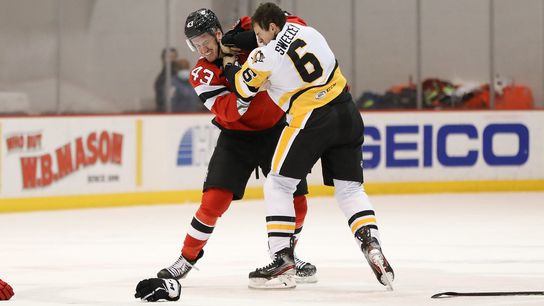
<point x="180" y="268"/>
<point x="373" y="254"/>
<point x="305" y="272"/>
<point x="279" y="274"/>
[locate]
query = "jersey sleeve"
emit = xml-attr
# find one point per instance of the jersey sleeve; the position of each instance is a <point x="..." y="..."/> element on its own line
<point x="214" y="93"/>
<point x="255" y="71"/>
<point x="245" y="23"/>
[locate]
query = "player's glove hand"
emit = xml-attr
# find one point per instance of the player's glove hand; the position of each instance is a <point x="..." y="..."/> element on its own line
<point x="6" y="292"/>
<point x="240" y="38"/>
<point x="154" y="289"/>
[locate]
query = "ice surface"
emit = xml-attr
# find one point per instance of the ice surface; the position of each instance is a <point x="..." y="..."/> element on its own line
<point x="435" y="243"/>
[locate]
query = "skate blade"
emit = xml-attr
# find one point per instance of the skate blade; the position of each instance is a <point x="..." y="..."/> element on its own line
<point x="306" y="279"/>
<point x="280" y="282"/>
<point x="386" y="278"/>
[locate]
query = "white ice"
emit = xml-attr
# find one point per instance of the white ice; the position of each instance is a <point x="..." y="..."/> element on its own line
<point x="435" y="243"/>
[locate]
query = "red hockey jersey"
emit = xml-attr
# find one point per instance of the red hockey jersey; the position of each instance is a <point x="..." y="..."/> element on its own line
<point x="231" y="112"/>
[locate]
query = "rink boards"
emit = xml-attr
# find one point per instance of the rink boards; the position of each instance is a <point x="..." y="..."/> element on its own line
<point x="82" y="161"/>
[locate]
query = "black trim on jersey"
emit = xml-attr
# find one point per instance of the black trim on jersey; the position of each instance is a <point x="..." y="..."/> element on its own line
<point x="298" y="230"/>
<point x="199" y="226"/>
<point x="295" y="96"/>
<point x="208" y="94"/>
<point x="253" y="89"/>
<point x="230" y="73"/>
<point x="280" y="218"/>
<point x="276" y="234"/>
<point x="361" y="214"/>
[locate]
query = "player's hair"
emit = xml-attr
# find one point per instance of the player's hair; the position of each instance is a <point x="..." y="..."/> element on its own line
<point x="268" y="13"/>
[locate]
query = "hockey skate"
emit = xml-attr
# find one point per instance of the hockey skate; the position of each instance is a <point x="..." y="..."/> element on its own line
<point x="180" y="268"/>
<point x="279" y="274"/>
<point x="373" y="254"/>
<point x="305" y="272"/>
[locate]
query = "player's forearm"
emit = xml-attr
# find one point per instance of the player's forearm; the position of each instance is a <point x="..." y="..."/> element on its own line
<point x="233" y="74"/>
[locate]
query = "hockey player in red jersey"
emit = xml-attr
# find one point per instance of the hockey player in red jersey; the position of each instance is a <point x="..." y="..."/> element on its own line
<point x="247" y="139"/>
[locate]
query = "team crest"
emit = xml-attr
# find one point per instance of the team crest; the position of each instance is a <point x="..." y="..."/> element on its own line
<point x="258" y="57"/>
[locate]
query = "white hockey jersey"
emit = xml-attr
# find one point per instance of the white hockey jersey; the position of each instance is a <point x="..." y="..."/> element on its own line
<point x="302" y="70"/>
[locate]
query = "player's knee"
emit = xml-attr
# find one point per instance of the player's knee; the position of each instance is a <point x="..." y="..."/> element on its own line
<point x="278" y="183"/>
<point x="347" y="189"/>
<point x="215" y="202"/>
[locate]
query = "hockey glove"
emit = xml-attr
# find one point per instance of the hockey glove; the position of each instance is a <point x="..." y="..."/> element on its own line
<point x="6" y="292"/>
<point x="240" y="38"/>
<point x="154" y="289"/>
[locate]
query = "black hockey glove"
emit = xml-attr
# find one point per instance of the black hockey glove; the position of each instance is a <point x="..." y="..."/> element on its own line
<point x="240" y="38"/>
<point x="154" y="289"/>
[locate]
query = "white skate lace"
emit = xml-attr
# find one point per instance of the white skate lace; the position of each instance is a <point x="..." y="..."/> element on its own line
<point x="181" y="266"/>
<point x="299" y="263"/>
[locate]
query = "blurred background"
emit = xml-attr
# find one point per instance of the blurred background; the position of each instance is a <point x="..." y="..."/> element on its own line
<point x="104" y="56"/>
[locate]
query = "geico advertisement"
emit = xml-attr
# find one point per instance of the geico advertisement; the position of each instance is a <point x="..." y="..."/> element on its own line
<point x="453" y="146"/>
<point x="67" y="155"/>
<point x="411" y="146"/>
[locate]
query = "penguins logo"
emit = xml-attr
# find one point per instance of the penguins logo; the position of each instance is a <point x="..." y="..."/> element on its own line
<point x="258" y="57"/>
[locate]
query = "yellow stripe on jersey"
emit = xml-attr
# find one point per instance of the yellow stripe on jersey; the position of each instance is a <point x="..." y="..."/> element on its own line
<point x="318" y="96"/>
<point x="300" y="121"/>
<point x="364" y="221"/>
<point x="288" y="227"/>
<point x="249" y="80"/>
<point x="285" y="98"/>
<point x="283" y="142"/>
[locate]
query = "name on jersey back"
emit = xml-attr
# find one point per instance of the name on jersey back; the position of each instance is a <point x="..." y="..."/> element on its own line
<point x="285" y="40"/>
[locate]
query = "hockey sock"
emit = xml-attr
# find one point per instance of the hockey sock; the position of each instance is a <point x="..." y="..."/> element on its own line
<point x="356" y="206"/>
<point x="214" y="203"/>
<point x="301" y="207"/>
<point x="280" y="211"/>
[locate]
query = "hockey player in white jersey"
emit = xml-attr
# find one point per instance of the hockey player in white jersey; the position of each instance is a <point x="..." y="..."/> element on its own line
<point x="302" y="75"/>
